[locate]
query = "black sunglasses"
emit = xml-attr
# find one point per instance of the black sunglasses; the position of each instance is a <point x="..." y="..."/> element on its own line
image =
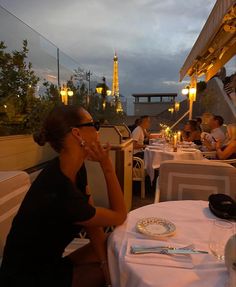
<point x="96" y="125"/>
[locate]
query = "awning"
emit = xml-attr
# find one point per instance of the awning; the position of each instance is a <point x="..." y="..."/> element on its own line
<point x="216" y="44"/>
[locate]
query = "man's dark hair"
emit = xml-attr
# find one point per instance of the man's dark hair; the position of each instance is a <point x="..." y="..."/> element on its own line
<point x="143" y="118"/>
<point x="199" y="120"/>
<point x="219" y="119"/>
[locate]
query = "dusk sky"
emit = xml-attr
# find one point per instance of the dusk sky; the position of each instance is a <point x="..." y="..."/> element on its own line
<point x="151" y="37"/>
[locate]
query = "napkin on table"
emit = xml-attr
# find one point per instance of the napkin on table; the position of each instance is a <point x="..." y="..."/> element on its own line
<point x="173" y="260"/>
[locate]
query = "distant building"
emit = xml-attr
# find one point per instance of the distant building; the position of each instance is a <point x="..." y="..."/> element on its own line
<point x="153" y="104"/>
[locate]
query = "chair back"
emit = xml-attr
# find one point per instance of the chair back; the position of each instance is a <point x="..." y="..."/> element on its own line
<point x="138" y="168"/>
<point x="229" y="161"/>
<point x="192" y="179"/>
<point x="13" y="187"/>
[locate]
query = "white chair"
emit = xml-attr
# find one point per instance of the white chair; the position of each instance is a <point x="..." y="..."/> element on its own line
<point x="229" y="161"/>
<point x="190" y="180"/>
<point x="13" y="187"/>
<point x="139" y="173"/>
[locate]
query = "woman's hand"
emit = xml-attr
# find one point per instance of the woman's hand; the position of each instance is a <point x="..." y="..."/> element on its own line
<point x="97" y="152"/>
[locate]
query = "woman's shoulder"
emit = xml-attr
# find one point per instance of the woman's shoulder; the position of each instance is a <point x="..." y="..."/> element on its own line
<point x="51" y="174"/>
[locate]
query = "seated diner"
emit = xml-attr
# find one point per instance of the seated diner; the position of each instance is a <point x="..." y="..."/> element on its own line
<point x="57" y="206"/>
<point x="191" y="132"/>
<point x="227" y="151"/>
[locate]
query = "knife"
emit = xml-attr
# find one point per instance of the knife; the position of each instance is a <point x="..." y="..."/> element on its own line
<point x="166" y="251"/>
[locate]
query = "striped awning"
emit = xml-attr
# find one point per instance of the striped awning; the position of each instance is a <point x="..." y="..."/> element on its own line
<point x="216" y="44"/>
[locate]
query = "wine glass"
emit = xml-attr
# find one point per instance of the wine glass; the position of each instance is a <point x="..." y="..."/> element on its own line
<point x="221" y="231"/>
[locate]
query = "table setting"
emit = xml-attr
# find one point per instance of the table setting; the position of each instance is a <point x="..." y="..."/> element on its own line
<point x="160" y="150"/>
<point x="175" y="243"/>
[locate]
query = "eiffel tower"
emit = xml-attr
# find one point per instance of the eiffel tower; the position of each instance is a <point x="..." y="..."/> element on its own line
<point x="115" y="85"/>
<point x="115" y="81"/>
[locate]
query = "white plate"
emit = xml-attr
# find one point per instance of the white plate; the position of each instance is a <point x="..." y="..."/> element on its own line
<point x="156" y="227"/>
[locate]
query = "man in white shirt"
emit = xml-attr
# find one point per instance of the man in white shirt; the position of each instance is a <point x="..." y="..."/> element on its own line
<point x="216" y="134"/>
<point x="139" y="134"/>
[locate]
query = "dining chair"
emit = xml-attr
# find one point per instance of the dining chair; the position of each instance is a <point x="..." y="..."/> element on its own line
<point x="194" y="180"/>
<point x="139" y="173"/>
<point x="229" y="161"/>
<point x="13" y="187"/>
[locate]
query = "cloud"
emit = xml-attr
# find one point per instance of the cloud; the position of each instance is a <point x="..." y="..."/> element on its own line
<point x="152" y="37"/>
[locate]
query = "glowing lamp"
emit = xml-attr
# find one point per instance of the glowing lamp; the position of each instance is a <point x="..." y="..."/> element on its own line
<point x="70" y="93"/>
<point x="185" y="91"/>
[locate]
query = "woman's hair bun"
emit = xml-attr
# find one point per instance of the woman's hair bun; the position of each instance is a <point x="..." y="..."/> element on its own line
<point x="40" y="137"/>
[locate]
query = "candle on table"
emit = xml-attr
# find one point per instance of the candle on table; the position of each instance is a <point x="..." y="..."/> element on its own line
<point x="175" y="141"/>
<point x="179" y="136"/>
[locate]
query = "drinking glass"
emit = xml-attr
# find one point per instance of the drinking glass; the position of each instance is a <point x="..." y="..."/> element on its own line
<point x="221" y="231"/>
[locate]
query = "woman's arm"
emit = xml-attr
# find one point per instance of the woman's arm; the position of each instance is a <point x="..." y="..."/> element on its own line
<point x="117" y="212"/>
<point x="227" y="152"/>
<point x="98" y="240"/>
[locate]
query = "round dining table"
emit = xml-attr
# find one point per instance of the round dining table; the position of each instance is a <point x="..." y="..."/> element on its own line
<point x="154" y="156"/>
<point x="193" y="221"/>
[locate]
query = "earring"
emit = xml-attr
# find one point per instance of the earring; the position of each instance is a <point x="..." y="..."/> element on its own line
<point x="82" y="143"/>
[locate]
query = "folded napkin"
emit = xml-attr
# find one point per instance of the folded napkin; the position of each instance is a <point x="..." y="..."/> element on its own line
<point x="173" y="260"/>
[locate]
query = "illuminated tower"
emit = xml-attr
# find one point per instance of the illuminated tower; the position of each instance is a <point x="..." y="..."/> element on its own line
<point x="115" y="82"/>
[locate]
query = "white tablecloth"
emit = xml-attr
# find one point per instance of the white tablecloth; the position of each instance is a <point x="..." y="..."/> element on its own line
<point x="193" y="221"/>
<point x="154" y="156"/>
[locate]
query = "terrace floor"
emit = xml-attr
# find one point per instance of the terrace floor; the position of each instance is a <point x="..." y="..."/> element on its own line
<point x="149" y="195"/>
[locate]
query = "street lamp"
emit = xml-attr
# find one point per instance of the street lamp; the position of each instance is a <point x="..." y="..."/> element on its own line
<point x="177" y="105"/>
<point x="65" y="92"/>
<point x="119" y="108"/>
<point x="191" y="93"/>
<point x="104" y="91"/>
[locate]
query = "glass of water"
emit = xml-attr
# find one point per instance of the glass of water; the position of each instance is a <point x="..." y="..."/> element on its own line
<point x="221" y="231"/>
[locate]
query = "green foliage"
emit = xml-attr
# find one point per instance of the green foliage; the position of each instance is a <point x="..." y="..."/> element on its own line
<point x="22" y="112"/>
<point x="16" y="78"/>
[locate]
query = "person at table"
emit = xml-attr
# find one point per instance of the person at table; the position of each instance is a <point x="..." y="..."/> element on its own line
<point x="139" y="134"/>
<point x="134" y="125"/>
<point x="227" y="151"/>
<point x="191" y="132"/>
<point x="216" y="134"/>
<point x="199" y="123"/>
<point x="58" y="205"/>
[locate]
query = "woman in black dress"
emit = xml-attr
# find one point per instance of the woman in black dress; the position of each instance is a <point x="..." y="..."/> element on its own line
<point x="58" y="205"/>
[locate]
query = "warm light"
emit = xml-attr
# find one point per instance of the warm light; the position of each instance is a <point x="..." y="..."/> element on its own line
<point x="179" y="136"/>
<point x="63" y="93"/>
<point x="5" y="106"/>
<point x="103" y="105"/>
<point x="185" y="91"/>
<point x="70" y="93"/>
<point x="99" y="90"/>
<point x="192" y="94"/>
<point x="210" y="66"/>
<point x="175" y="140"/>
<point x="177" y="105"/>
<point x="108" y="92"/>
<point x="171" y="110"/>
<point x="119" y="108"/>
